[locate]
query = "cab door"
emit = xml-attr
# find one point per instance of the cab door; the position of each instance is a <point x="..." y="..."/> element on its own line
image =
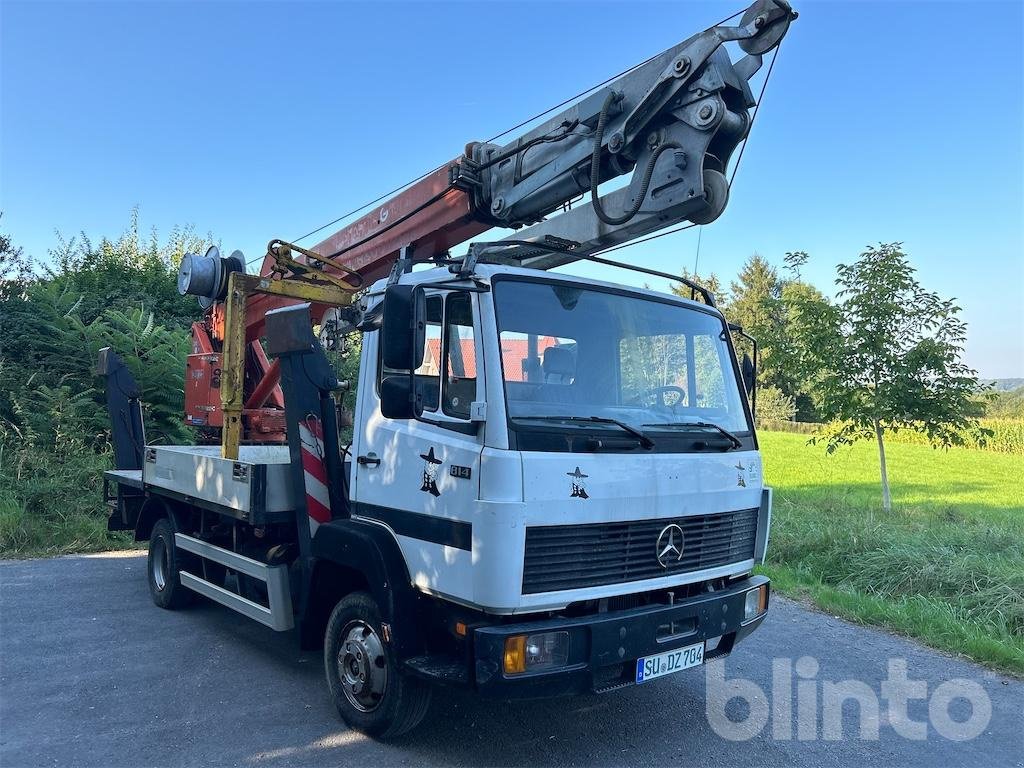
<point x="420" y="477"/>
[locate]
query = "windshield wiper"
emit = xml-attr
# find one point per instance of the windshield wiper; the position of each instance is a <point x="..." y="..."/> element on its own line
<point x="736" y="442"/>
<point x="645" y="441"/>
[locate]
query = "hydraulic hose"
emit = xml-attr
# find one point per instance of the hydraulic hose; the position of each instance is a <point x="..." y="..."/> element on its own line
<point x="595" y="168"/>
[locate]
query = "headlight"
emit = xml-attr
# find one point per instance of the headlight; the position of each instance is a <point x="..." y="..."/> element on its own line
<point x="755" y="603"/>
<point x="535" y="653"/>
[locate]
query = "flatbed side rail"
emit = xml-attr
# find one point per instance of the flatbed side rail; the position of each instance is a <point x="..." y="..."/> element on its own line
<point x="277" y="614"/>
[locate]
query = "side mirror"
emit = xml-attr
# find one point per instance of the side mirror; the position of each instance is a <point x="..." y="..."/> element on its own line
<point x="403" y="330"/>
<point x="748" y="369"/>
<point x="397" y="398"/>
<point x="749" y="374"/>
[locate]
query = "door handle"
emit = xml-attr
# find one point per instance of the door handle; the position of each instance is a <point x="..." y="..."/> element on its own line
<point x="370" y="460"/>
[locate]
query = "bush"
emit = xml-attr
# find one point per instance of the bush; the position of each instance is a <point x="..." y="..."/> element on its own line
<point x="62" y="398"/>
<point x="51" y="504"/>
<point x="793" y="427"/>
<point x="55" y="442"/>
<point x="773" y="405"/>
<point x="54" y="427"/>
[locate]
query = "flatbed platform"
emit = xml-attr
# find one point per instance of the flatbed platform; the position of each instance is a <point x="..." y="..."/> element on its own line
<point x="132" y="478"/>
<point x="256" y="487"/>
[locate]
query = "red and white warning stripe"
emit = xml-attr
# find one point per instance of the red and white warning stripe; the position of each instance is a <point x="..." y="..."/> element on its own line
<point x="318" y="499"/>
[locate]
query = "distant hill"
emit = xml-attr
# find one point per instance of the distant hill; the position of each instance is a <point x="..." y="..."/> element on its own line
<point x="1004" y="385"/>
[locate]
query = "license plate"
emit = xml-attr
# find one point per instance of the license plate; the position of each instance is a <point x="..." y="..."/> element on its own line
<point x="650" y="667"/>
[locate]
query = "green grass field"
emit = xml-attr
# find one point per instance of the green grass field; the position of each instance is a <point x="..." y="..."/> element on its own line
<point x="946" y="566"/>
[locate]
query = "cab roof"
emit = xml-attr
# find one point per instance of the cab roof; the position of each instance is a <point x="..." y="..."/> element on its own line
<point x="486" y="272"/>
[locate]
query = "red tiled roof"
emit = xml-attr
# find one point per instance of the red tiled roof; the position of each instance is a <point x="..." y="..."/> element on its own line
<point x="513" y="353"/>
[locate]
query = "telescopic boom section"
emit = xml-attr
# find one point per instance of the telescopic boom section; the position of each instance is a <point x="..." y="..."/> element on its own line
<point x="671" y="124"/>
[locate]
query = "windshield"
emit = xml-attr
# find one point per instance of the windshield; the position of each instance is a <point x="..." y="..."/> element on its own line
<point x="579" y="352"/>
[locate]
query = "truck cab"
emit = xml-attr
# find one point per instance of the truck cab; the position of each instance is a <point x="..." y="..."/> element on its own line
<point x="570" y="473"/>
<point x="561" y="426"/>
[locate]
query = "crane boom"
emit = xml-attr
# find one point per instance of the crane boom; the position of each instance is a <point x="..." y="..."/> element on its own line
<point x="673" y="122"/>
<point x="668" y="127"/>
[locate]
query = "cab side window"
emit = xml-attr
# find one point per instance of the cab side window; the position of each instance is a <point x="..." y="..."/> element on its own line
<point x="447" y="377"/>
<point x="428" y="375"/>
<point x="459" y="356"/>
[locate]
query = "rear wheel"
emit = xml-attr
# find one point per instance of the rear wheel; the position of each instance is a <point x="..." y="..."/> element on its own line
<point x="371" y="693"/>
<point x="164" y="568"/>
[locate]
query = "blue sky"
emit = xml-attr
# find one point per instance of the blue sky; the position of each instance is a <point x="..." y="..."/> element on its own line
<point x="883" y="121"/>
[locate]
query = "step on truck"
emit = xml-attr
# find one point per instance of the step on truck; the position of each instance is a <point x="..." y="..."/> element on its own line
<point x="552" y="484"/>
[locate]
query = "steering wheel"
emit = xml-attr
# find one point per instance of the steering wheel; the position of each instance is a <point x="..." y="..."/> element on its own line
<point x="660" y="392"/>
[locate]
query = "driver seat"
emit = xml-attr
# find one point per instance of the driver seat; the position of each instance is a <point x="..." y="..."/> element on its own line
<point x="559" y="368"/>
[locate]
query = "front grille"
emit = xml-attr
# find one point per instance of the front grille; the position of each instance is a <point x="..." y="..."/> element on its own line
<point x="573" y="556"/>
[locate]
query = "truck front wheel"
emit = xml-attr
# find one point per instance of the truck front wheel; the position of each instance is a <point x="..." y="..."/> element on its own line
<point x="164" y="568"/>
<point x="371" y="693"/>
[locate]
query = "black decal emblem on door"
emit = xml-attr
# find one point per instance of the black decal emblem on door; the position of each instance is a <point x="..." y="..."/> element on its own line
<point x="430" y="465"/>
<point x="579" y="490"/>
<point x="740" y="482"/>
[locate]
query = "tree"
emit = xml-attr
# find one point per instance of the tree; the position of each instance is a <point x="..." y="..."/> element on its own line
<point x="15" y="268"/>
<point x="710" y="282"/>
<point x="753" y="301"/>
<point x="760" y="301"/>
<point x="345" y="362"/>
<point x="786" y="354"/>
<point x="886" y="356"/>
<point x="1005" y="405"/>
<point x="795" y="261"/>
<point x="757" y="303"/>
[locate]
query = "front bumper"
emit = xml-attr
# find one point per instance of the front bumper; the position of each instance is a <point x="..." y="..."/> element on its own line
<point x="603" y="648"/>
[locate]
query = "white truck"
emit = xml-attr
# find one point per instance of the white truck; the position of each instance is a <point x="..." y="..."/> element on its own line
<point x="553" y="484"/>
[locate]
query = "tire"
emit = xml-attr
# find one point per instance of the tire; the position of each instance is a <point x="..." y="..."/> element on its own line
<point x="163" y="568"/>
<point x="384" y="702"/>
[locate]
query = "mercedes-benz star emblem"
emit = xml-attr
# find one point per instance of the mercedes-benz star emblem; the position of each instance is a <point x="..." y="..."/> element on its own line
<point x="670" y="545"/>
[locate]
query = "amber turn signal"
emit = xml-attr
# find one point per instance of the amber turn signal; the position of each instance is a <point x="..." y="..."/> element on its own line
<point x="515" y="654"/>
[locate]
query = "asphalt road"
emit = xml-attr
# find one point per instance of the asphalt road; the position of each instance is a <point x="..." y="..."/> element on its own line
<point x="92" y="674"/>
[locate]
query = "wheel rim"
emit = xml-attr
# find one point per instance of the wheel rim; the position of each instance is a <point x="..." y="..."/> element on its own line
<point x="160" y="564"/>
<point x="362" y="667"/>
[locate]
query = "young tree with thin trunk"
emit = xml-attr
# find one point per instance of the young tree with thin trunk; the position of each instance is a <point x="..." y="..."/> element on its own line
<point x="886" y="355"/>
